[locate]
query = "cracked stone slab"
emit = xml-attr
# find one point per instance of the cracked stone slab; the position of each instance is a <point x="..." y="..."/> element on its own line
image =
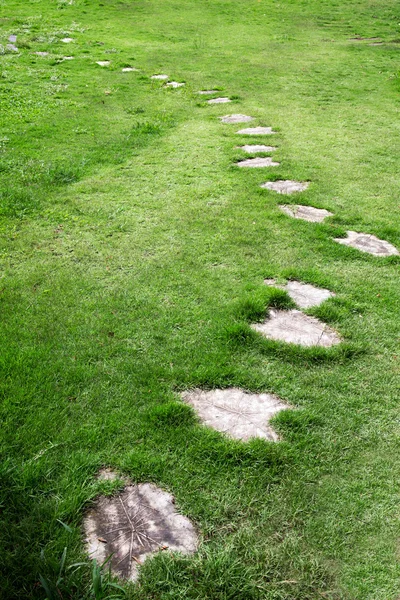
<point x="134" y="525"/>
<point x="221" y="100"/>
<point x="160" y="77"/>
<point x="204" y="92"/>
<point x="294" y="327"/>
<point x="237" y="118"/>
<point x="255" y="148"/>
<point x="103" y="63"/>
<point x="240" y="414"/>
<point x="257" y="131"/>
<point x="174" y="84"/>
<point x="258" y="162"/>
<point x="306" y="213"/>
<point x="304" y="295"/>
<point x="285" y="186"/>
<point x="368" y="243"/>
<point x="129" y="69"/>
<point x="67" y="40"/>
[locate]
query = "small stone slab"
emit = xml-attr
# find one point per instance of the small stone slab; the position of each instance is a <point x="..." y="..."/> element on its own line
<point x="285" y="186"/>
<point x="306" y="213"/>
<point x="103" y="63"/>
<point x="129" y="69"/>
<point x="41" y="53"/>
<point x="174" y="84"/>
<point x="237" y="413"/>
<point x="160" y="77"/>
<point x="294" y="327"/>
<point x="304" y="295"/>
<point x="221" y="100"/>
<point x="236" y="119"/>
<point x="207" y="92"/>
<point x="135" y="524"/>
<point x="258" y="162"/>
<point x="12" y="48"/>
<point x="254" y="148"/>
<point x="67" y="40"/>
<point x="68" y="58"/>
<point x="368" y="243"/>
<point x="12" y="39"/>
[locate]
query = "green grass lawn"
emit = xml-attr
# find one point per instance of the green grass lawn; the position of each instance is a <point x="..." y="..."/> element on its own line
<point x="133" y="253"/>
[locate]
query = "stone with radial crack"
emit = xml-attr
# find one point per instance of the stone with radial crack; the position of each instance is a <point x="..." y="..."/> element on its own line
<point x="135" y="524"/>
<point x="160" y="77"/>
<point x="294" y="327"/>
<point x="222" y="100"/>
<point x="368" y="243"/>
<point x="306" y="213"/>
<point x="239" y="414"/>
<point x="258" y="162"/>
<point x="303" y="294"/>
<point x="285" y="186"/>
<point x="256" y="131"/>
<point x="255" y="148"/>
<point x="236" y="118"/>
<point x="174" y="84"/>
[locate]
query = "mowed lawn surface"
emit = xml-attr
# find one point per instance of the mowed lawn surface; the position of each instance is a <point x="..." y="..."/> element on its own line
<point x="133" y="255"/>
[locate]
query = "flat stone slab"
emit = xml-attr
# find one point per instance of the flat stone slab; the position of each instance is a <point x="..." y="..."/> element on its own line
<point x="12" y="48"/>
<point x="306" y="213"/>
<point x="12" y="39"/>
<point x="368" y="243"/>
<point x="304" y="295"/>
<point x="222" y="100"/>
<point x="135" y="524"/>
<point x="255" y="148"/>
<point x="174" y="84"/>
<point x="129" y="69"/>
<point x="41" y="53"/>
<point x="103" y="63"/>
<point x="67" y="40"/>
<point x="285" y="186"/>
<point x="294" y="327"/>
<point x="256" y="131"/>
<point x="207" y="92"/>
<point x="161" y="77"/>
<point x="258" y="162"/>
<point x="239" y="414"/>
<point x="236" y="119"/>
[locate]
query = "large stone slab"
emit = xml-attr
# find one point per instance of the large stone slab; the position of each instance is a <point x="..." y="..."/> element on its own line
<point x="258" y="162"/>
<point x="236" y="118"/>
<point x="239" y="414"/>
<point x="160" y="77"/>
<point x="255" y="148"/>
<point x="286" y="186"/>
<point x="368" y="243"/>
<point x="135" y="524"/>
<point x="303" y="294"/>
<point x="306" y="213"/>
<point x="174" y="84"/>
<point x="294" y="327"/>
<point x="256" y="131"/>
<point x="222" y="100"/>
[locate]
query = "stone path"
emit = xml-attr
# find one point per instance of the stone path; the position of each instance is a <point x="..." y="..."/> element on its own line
<point x="306" y="213"/>
<point x="256" y="131"/>
<point x="235" y="412"/>
<point x="135" y="524"/>
<point x="368" y="243"/>
<point x="236" y="119"/>
<point x="303" y="294"/>
<point x="257" y="162"/>
<point x="254" y="149"/>
<point x="285" y="186"/>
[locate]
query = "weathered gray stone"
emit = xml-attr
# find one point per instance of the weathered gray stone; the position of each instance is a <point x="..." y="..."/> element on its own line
<point x="285" y="186"/>
<point x="294" y="327"/>
<point x="303" y="294"/>
<point x="240" y="414"/>
<point x="306" y="213"/>
<point x="258" y="162"/>
<point x="255" y="148"/>
<point x="174" y="84"/>
<point x="129" y="69"/>
<point x="137" y="523"/>
<point x="257" y="131"/>
<point x="368" y="243"/>
<point x="103" y="63"/>
<point x="236" y="118"/>
<point x="67" y="40"/>
<point x="221" y="100"/>
<point x="161" y="77"/>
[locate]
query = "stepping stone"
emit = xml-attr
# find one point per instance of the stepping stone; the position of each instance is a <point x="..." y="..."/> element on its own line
<point x="294" y="327"/>
<point x="131" y="526"/>
<point x="12" y="48"/>
<point x="207" y="92"/>
<point x="102" y="63"/>
<point x="256" y="131"/>
<point x="306" y="213"/>
<point x="68" y="58"/>
<point x="174" y="84"/>
<point x="67" y="40"/>
<point x="161" y="77"/>
<point x="285" y="186"/>
<point x="235" y="119"/>
<point x="258" y="162"/>
<point x="368" y="243"/>
<point x="12" y="38"/>
<point x="129" y="69"/>
<point x="253" y="149"/>
<point x="239" y="414"/>
<point x="219" y="101"/>
<point x="303" y="294"/>
<point x="41" y="53"/>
